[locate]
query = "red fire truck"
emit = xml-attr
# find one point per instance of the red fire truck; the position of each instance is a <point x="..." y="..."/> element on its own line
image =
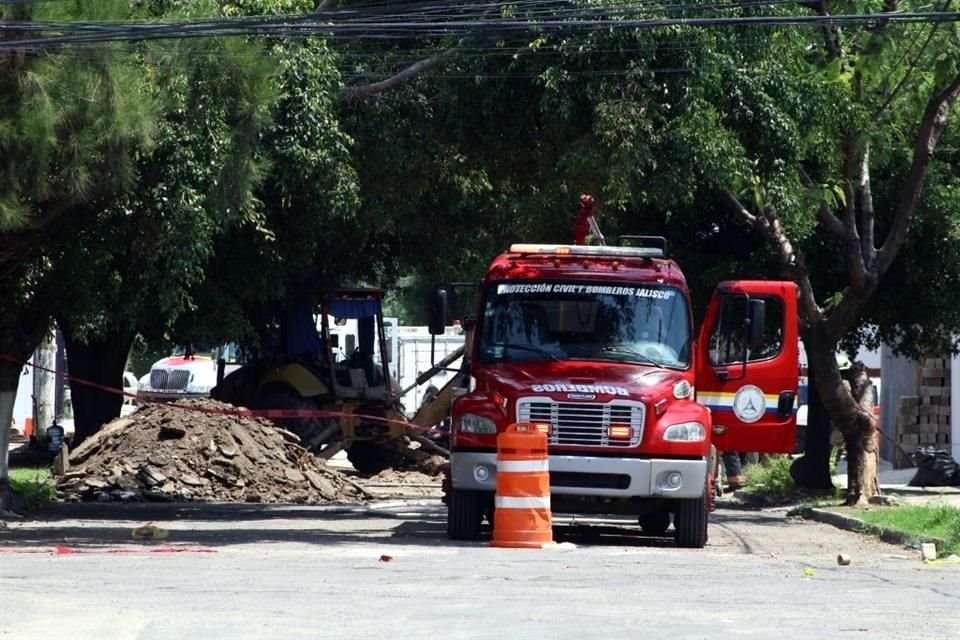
<point x="596" y="345"/>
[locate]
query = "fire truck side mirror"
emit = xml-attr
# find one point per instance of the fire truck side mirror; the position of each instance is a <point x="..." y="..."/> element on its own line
<point x="756" y="322"/>
<point x="438" y="311"/>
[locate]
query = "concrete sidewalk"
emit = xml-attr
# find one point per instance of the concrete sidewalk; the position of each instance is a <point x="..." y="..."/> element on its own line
<point x="894" y="482"/>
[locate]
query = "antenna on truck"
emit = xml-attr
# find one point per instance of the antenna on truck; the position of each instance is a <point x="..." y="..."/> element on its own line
<point x="585" y="222"/>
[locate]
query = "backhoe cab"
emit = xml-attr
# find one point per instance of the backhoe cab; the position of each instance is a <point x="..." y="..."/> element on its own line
<point x="329" y="358"/>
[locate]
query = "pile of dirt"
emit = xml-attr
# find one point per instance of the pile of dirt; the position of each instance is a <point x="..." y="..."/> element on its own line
<point x="175" y="452"/>
<point x="422" y="460"/>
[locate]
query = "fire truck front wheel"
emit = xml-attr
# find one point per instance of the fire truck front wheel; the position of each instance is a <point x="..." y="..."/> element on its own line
<point x="690" y="520"/>
<point x="465" y="511"/>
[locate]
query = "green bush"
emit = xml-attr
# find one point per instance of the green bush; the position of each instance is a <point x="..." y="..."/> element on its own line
<point x="772" y="476"/>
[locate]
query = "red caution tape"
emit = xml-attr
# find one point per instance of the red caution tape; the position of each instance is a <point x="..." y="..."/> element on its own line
<point x="69" y="551"/>
<point x="238" y="411"/>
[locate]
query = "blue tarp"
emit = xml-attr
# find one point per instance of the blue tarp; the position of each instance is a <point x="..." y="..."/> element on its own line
<point x="302" y="337"/>
<point x="355" y="309"/>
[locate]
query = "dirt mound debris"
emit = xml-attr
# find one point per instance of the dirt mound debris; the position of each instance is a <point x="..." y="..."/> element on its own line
<point x="169" y="452"/>
<point x="421" y="462"/>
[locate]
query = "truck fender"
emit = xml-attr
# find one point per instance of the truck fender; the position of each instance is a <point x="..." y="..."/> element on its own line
<point x="297" y="376"/>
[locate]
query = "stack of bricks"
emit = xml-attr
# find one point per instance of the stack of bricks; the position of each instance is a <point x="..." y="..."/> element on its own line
<point x="924" y="420"/>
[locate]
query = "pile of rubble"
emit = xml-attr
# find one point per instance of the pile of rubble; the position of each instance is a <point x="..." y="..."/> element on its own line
<point x="188" y="451"/>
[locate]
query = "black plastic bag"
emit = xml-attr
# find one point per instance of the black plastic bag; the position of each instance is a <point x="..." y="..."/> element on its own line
<point x="935" y="468"/>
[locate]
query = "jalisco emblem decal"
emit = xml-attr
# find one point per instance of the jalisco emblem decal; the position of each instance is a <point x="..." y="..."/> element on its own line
<point x="749" y="403"/>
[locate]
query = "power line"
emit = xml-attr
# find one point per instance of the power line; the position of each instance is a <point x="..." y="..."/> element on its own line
<point x="415" y="27"/>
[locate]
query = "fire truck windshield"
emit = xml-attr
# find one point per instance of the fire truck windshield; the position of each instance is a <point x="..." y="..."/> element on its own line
<point x="553" y="320"/>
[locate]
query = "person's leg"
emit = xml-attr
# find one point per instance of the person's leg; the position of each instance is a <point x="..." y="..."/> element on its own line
<point x="733" y="467"/>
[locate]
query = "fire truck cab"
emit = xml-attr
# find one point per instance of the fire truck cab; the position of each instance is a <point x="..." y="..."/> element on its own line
<point x="596" y="345"/>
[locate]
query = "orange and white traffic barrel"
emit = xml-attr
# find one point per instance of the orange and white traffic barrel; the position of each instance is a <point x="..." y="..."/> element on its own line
<point x="522" y="501"/>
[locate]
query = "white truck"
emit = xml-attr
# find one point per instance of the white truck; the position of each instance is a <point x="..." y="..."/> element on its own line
<point x="411" y="354"/>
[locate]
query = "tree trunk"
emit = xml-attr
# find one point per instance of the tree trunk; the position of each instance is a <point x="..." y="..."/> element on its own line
<point x="102" y="362"/>
<point x="22" y="326"/>
<point x="812" y="469"/>
<point x="863" y="453"/>
<point x="9" y="380"/>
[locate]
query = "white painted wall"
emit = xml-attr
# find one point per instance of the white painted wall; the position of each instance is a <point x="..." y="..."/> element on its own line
<point x="23" y="406"/>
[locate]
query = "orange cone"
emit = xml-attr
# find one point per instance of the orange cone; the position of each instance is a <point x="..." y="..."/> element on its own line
<point x="27" y="427"/>
<point x="522" y="517"/>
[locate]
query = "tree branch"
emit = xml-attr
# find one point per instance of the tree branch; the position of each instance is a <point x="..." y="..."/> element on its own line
<point x="768" y="224"/>
<point x="322" y="5"/>
<point x="928" y="134"/>
<point x="845" y="314"/>
<point x="830" y="221"/>
<point x="831" y="35"/>
<point x="908" y="73"/>
<point x="868" y="249"/>
<point x="361" y="92"/>
<point x="851" y="170"/>
<point x="355" y="94"/>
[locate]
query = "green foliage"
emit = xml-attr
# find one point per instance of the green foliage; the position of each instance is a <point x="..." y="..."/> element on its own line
<point x="35" y="483"/>
<point x="772" y="477"/>
<point x="69" y="128"/>
<point x="936" y="521"/>
<point x="148" y="245"/>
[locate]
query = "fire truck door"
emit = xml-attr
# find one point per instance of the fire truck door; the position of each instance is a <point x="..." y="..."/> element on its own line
<point x="748" y="365"/>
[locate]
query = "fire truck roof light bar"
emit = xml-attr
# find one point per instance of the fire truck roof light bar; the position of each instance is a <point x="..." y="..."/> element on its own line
<point x="583" y="250"/>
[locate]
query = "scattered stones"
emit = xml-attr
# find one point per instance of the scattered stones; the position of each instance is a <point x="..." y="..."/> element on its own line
<point x="843" y="560"/>
<point x="172" y="453"/>
<point x="886" y="501"/>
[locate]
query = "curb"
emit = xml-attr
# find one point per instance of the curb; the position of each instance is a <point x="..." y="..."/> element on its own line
<point x="849" y="523"/>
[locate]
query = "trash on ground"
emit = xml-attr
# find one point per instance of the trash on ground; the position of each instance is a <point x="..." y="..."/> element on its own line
<point x="928" y="551"/>
<point x="935" y="468"/>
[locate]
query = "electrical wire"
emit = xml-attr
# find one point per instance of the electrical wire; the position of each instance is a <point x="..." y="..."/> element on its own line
<point x="422" y="25"/>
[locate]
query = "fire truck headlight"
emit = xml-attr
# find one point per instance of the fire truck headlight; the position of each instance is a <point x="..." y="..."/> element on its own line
<point x="685" y="432"/>
<point x="472" y="423"/>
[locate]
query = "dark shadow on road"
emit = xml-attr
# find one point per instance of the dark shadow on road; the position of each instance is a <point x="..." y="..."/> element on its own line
<point x="209" y="525"/>
<point x="206" y="511"/>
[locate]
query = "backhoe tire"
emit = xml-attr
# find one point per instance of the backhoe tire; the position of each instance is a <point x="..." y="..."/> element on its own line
<point x="314" y="433"/>
<point x="370" y="458"/>
<point x="690" y="519"/>
<point x="655" y="523"/>
<point x="465" y="510"/>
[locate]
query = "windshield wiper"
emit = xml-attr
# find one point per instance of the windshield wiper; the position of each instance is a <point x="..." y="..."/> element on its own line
<point x="526" y="347"/>
<point x="633" y="353"/>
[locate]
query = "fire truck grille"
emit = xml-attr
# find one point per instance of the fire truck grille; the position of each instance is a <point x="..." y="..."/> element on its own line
<point x="169" y="380"/>
<point x="584" y="423"/>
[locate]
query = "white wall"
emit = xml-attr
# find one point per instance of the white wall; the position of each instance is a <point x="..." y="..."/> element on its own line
<point x="23" y="407"/>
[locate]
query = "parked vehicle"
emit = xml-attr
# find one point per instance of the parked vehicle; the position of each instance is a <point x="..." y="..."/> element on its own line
<point x="186" y="374"/>
<point x="328" y="360"/>
<point x="595" y="345"/>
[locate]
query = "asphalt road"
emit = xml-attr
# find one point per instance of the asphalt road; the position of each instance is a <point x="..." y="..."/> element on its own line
<point x="389" y="572"/>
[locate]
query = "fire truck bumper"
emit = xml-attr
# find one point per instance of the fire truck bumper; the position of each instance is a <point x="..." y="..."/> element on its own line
<point x="593" y="476"/>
